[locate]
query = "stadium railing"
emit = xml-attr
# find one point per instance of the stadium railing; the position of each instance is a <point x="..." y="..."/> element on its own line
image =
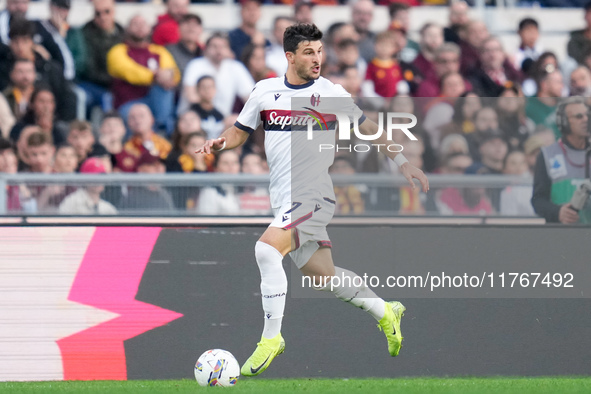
<point x="367" y="195"/>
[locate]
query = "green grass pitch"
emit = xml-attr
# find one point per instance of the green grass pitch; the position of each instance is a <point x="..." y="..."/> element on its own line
<point x="338" y="386"/>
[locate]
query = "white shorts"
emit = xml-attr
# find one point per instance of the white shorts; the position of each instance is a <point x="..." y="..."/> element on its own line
<point x="309" y="221"/>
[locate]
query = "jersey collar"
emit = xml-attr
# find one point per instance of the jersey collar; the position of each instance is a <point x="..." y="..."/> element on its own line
<point x="307" y="84"/>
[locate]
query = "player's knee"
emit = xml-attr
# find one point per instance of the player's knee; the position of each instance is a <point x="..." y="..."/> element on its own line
<point x="266" y="254"/>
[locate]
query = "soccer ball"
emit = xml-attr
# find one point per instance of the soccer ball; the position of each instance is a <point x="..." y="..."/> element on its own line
<point x="217" y="367"/>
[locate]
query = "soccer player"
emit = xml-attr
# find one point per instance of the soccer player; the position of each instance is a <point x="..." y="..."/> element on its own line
<point x="304" y="206"/>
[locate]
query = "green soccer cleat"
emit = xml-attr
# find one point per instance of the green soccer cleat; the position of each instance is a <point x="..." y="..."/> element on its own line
<point x="266" y="351"/>
<point x="390" y="325"/>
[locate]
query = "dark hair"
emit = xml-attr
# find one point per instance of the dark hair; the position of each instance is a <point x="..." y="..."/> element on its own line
<point x="21" y="28"/>
<point x="346" y="43"/>
<point x="111" y="115"/>
<point x="217" y="34"/>
<point x="29" y="117"/>
<point x="300" y="32"/>
<point x="510" y="152"/>
<point x="203" y="78"/>
<point x="191" y="17"/>
<point x="39" y="138"/>
<point x="527" y="22"/>
<point x="21" y="60"/>
<point x="5" y="145"/>
<point x="247" y="53"/>
<point x="396" y="7"/>
<point x="80" y="125"/>
<point x="458" y="116"/>
<point x="187" y="137"/>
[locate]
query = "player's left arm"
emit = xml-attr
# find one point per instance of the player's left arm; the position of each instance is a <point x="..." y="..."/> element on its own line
<point x="409" y="171"/>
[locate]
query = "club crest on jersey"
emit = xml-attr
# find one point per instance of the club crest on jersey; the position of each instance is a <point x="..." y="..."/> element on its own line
<point x="315" y="100"/>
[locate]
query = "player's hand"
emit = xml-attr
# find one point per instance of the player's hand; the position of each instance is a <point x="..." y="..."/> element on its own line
<point x="567" y="214"/>
<point x="410" y="172"/>
<point x="212" y="145"/>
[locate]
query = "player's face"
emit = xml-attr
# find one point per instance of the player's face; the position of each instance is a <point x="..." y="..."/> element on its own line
<point x="307" y="60"/>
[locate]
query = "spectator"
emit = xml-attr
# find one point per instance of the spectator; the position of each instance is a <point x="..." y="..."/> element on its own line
<point x="232" y="79"/>
<point x="431" y="40"/>
<point x="253" y="58"/>
<point x="546" y="63"/>
<point x="53" y="32"/>
<point x="82" y="139"/>
<point x="496" y="73"/>
<point x="143" y="73"/>
<point x="302" y="11"/>
<point x="41" y="113"/>
<point x="66" y="159"/>
<point x="561" y="166"/>
<point x="454" y="201"/>
<point x="15" y="9"/>
<point x="462" y="121"/>
<point x="515" y="200"/>
<point x="580" y="44"/>
<point x="485" y="120"/>
<point x="492" y="151"/>
<point x="166" y="31"/>
<point x="51" y="196"/>
<point x="580" y="82"/>
<point x="40" y="151"/>
<point x="533" y="146"/>
<point x="18" y="197"/>
<point x="87" y="199"/>
<point x="7" y="119"/>
<point x="254" y="200"/>
<point x="223" y="199"/>
<point x="529" y="48"/>
<point x="188" y="161"/>
<point x="349" y="198"/>
<point x="447" y="60"/>
<point x="49" y="72"/>
<point x="347" y="55"/>
<point x="351" y="81"/>
<point x="541" y="108"/>
<point x="513" y="121"/>
<point x="143" y="139"/>
<point x="458" y="19"/>
<point x="212" y="120"/>
<point x="275" y="56"/>
<point x="399" y="20"/>
<point x="189" y="122"/>
<point x="150" y="198"/>
<point x="22" y="146"/>
<point x="412" y="199"/>
<point x="384" y="71"/>
<point x="247" y="33"/>
<point x="22" y="85"/>
<point x="440" y="111"/>
<point x="189" y="44"/>
<point x="450" y="145"/>
<point x="111" y="134"/>
<point x="99" y="36"/>
<point x="472" y="38"/>
<point x="361" y="17"/>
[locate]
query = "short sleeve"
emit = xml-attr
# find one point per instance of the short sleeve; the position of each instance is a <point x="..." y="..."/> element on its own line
<point x="347" y="103"/>
<point x="250" y="116"/>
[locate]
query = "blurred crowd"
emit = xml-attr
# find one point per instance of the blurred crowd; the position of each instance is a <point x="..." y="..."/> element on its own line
<point x="102" y="98"/>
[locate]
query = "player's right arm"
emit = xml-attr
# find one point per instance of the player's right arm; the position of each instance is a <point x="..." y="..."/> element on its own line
<point x="232" y="138"/>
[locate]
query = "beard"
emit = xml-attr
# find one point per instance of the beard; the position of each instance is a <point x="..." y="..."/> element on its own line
<point x="305" y="73"/>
